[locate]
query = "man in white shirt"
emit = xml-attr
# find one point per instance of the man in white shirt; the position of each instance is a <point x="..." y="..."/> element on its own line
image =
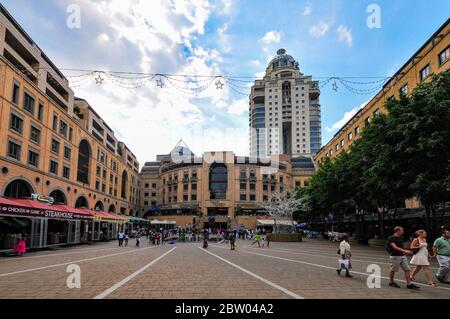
<point x="121" y="237"/>
<point x="344" y="251"/>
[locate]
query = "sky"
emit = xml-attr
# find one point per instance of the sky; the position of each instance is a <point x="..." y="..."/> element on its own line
<point x="214" y="37"/>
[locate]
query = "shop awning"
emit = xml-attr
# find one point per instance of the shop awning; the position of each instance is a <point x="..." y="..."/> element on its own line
<point x="271" y="222"/>
<point x="106" y="217"/>
<point x="134" y="219"/>
<point x="163" y="222"/>
<point x="32" y="208"/>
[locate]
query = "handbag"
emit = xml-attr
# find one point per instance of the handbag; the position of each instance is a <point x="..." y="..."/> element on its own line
<point x="344" y="264"/>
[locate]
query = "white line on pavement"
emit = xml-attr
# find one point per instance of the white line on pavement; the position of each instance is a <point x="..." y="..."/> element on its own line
<point x="70" y="252"/>
<point x="327" y="267"/>
<point x="133" y="275"/>
<point x="279" y="250"/>
<point x="268" y="282"/>
<point x="71" y="262"/>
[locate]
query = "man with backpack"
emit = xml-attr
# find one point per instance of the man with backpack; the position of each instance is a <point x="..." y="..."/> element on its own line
<point x="394" y="246"/>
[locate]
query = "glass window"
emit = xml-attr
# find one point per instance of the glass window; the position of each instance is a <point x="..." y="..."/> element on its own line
<point x="53" y="167"/>
<point x="444" y="55"/>
<point x="33" y="158"/>
<point x="218" y="181"/>
<point x="14" y="150"/>
<point x="425" y="72"/>
<point x="404" y="89"/>
<point x="28" y="103"/>
<point x="55" y="122"/>
<point x="16" y="123"/>
<point x="63" y="128"/>
<point x="35" y="134"/>
<point x="66" y="172"/>
<point x="15" y="93"/>
<point x="55" y="146"/>
<point x="40" y="111"/>
<point x="243" y="197"/>
<point x="67" y="152"/>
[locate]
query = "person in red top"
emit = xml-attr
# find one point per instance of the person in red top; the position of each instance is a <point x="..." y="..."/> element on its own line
<point x="21" y="247"/>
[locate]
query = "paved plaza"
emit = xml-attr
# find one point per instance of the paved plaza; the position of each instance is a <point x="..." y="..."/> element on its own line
<point x="285" y="270"/>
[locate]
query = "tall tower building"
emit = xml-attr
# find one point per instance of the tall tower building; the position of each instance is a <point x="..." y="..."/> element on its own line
<point x="284" y="110"/>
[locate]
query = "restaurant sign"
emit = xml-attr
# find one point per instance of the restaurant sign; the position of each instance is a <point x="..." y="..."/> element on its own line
<point x="42" y="198"/>
<point x="41" y="213"/>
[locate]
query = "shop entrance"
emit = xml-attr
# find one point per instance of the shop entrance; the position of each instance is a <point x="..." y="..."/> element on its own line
<point x="11" y="228"/>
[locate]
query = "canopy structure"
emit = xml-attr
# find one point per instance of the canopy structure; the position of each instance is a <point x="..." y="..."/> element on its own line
<point x="33" y="208"/>
<point x="163" y="222"/>
<point x="271" y="222"/>
<point x="134" y="219"/>
<point x="105" y="217"/>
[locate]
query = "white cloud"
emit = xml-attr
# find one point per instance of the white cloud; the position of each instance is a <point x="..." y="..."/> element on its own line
<point x="347" y="116"/>
<point x="238" y="107"/>
<point x="223" y="7"/>
<point x="319" y="30"/>
<point x="345" y="35"/>
<point x="224" y="38"/>
<point x="306" y="10"/>
<point x="272" y="37"/>
<point x="146" y="36"/>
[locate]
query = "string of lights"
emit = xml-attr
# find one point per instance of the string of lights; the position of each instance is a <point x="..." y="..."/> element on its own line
<point x="193" y="84"/>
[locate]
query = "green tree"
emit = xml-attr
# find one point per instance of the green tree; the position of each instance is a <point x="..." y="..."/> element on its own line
<point x="423" y="123"/>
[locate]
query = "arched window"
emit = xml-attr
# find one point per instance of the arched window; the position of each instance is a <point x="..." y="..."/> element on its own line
<point x="99" y="206"/>
<point x="18" y="189"/>
<point x="58" y="197"/>
<point x="112" y="209"/>
<point x="124" y="184"/>
<point x="81" y="202"/>
<point x="84" y="156"/>
<point x="218" y="181"/>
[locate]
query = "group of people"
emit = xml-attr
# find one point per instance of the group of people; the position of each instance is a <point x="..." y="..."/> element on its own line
<point x="123" y="238"/>
<point x="418" y="249"/>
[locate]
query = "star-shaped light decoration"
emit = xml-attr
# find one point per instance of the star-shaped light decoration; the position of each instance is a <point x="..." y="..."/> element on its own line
<point x="160" y="83"/>
<point x="99" y="79"/>
<point x="219" y="85"/>
<point x="334" y="87"/>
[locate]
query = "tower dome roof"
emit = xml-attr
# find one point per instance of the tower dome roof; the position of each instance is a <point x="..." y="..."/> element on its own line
<point x="282" y="60"/>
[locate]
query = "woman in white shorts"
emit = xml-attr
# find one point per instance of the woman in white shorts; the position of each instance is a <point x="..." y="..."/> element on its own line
<point x="420" y="259"/>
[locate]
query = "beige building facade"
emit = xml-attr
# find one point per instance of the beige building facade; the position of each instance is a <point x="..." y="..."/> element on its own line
<point x="430" y="59"/>
<point x="54" y="144"/>
<point x="218" y="188"/>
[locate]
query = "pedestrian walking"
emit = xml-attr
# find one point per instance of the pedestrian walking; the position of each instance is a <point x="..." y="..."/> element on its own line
<point x="441" y="249"/>
<point x="232" y="241"/>
<point x="345" y="253"/>
<point x="121" y="237"/>
<point x="138" y="239"/>
<point x="257" y="240"/>
<point x="126" y="239"/>
<point x="268" y="238"/>
<point x="205" y="239"/>
<point x="420" y="259"/>
<point x="394" y="246"/>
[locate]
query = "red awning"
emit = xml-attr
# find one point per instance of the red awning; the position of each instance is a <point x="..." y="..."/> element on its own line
<point x="72" y="209"/>
<point x="107" y="217"/>
<point x="6" y="201"/>
<point x="32" y="208"/>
